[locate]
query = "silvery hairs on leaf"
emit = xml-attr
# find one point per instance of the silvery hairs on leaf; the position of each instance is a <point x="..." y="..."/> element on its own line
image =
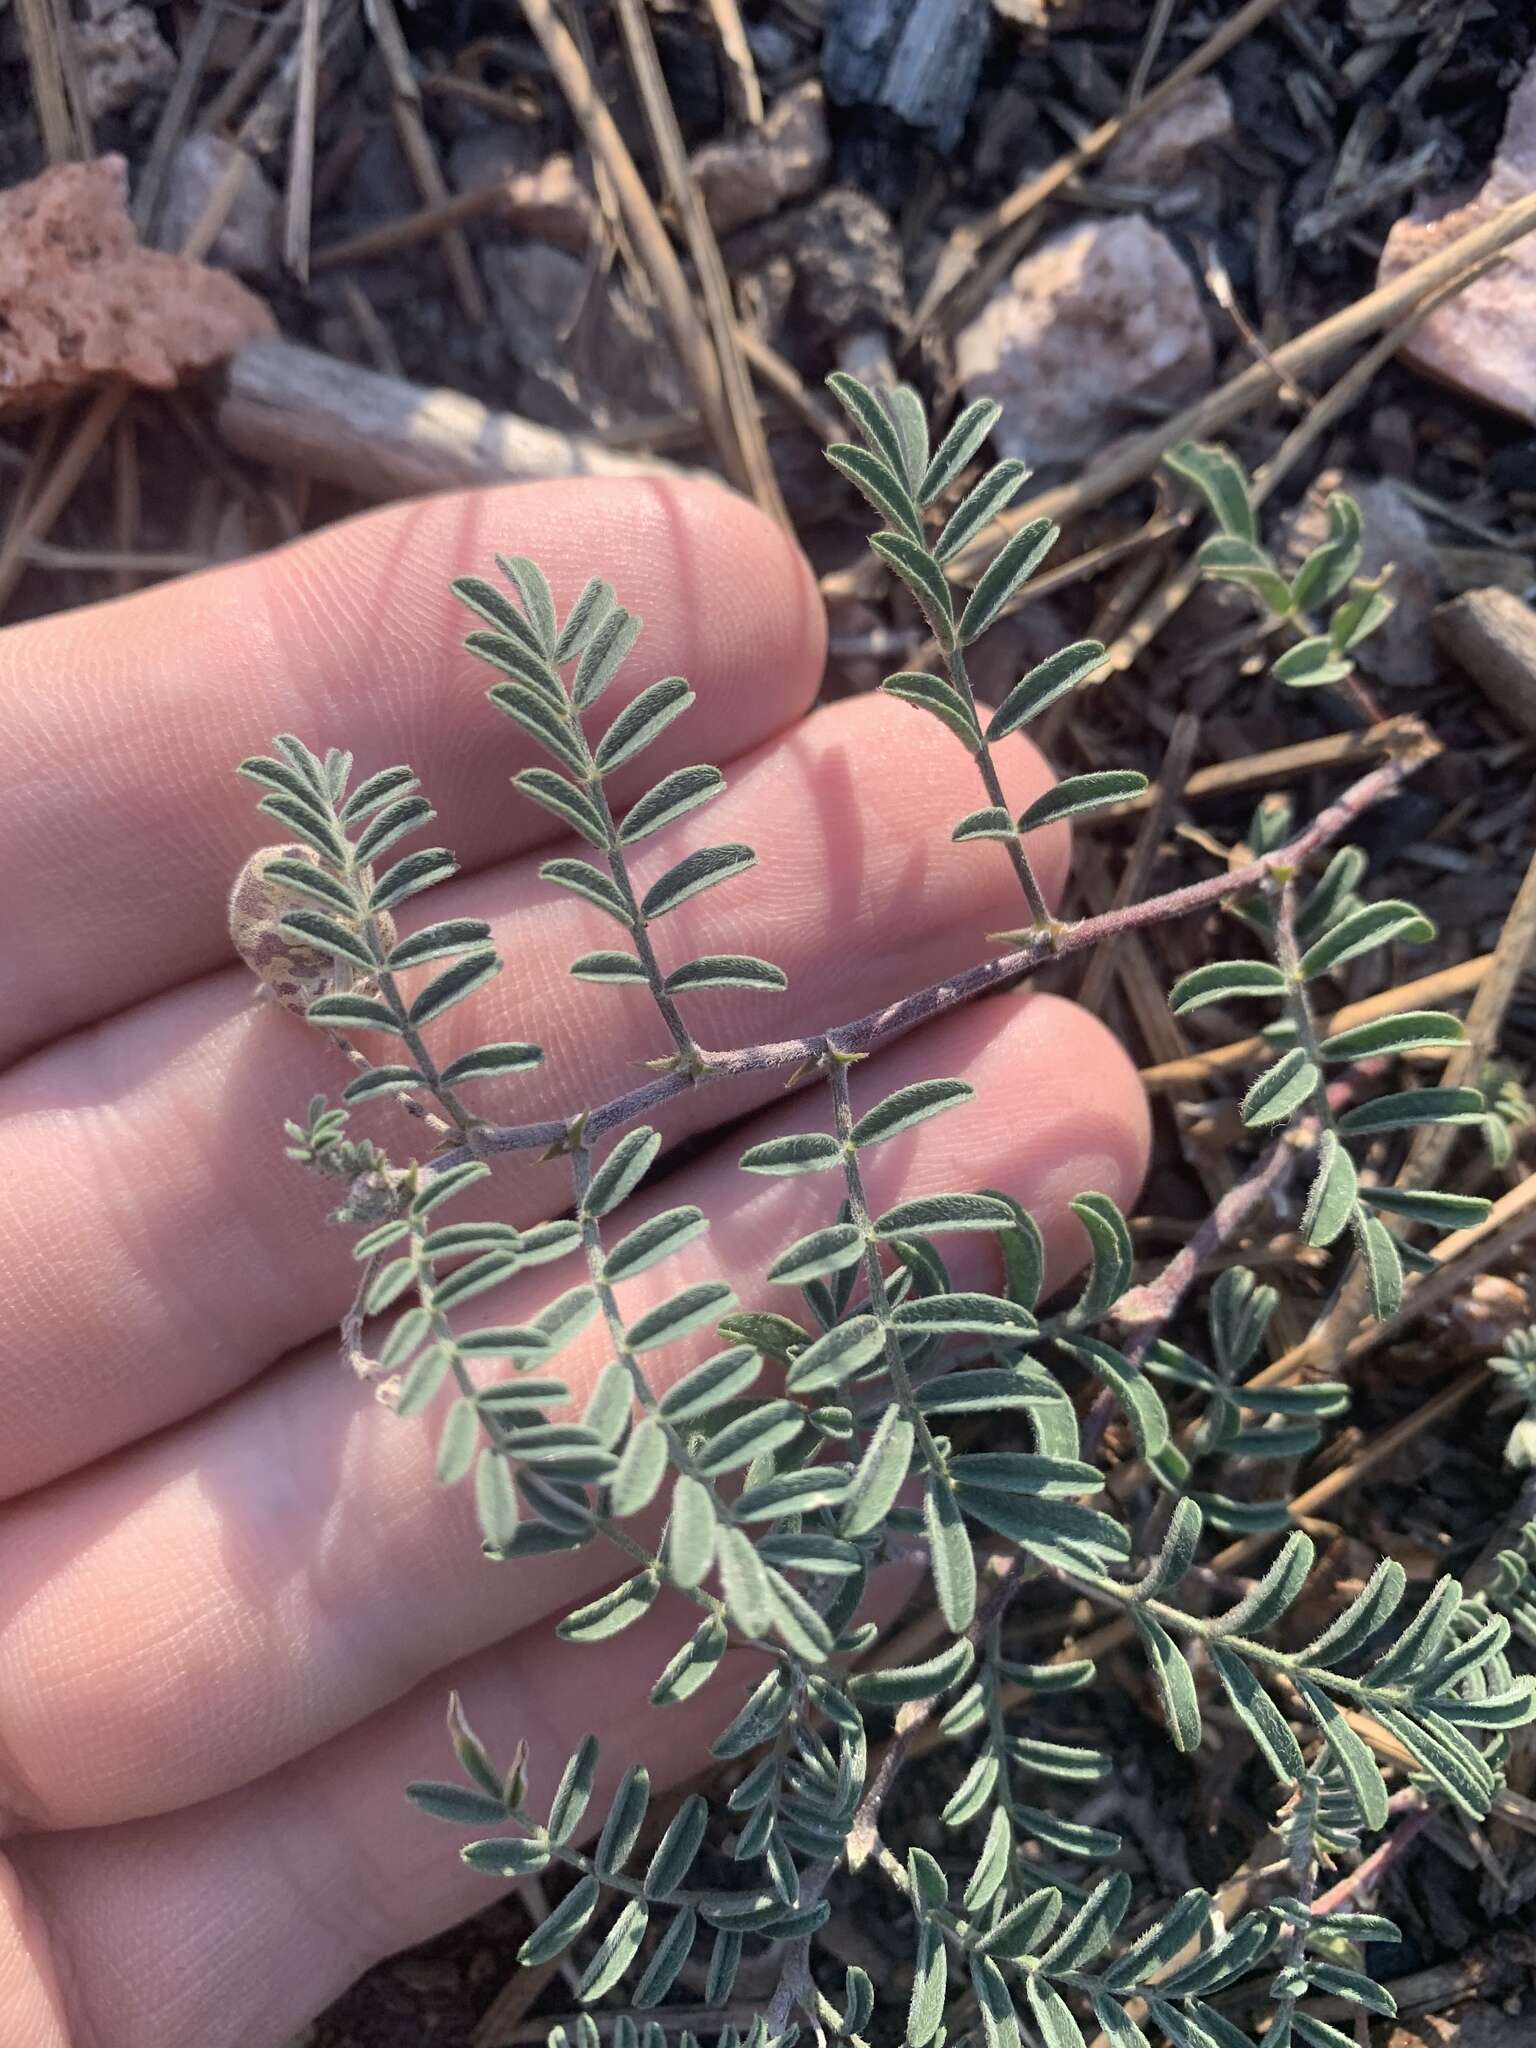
<point x="743" y="1468"/>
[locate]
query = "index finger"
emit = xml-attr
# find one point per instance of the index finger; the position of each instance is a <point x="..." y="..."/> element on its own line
<point x="123" y="721"/>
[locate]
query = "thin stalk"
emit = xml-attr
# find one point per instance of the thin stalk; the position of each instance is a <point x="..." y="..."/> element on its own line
<point x="464" y="1119"/>
<point x="618" y="867"/>
<point x="954" y="662"/>
<point x="1298" y="1008"/>
<point x="677" y="1449"/>
<point x="1290" y="1665"/>
<point x="496" y="1435"/>
<point x="874" y="1272"/>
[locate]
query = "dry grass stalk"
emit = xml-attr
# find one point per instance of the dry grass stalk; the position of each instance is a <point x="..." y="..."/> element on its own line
<point x="42" y="35"/>
<point x="740" y="71"/>
<point x="252" y="68"/>
<point x="688" y="204"/>
<point x="977" y="254"/>
<point x="652" y="246"/>
<point x="417" y="148"/>
<point x="57" y="487"/>
<point x="174" y="116"/>
<point x="298" y="204"/>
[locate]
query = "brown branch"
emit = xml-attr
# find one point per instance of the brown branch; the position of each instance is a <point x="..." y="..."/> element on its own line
<point x="1412" y="746"/>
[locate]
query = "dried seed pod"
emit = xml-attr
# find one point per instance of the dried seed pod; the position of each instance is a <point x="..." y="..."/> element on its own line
<point x="294" y="972"/>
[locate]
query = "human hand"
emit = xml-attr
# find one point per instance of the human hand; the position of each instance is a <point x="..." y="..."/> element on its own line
<point x="232" y="1597"/>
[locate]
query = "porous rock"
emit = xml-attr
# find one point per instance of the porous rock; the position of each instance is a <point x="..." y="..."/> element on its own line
<point x="1394" y="535"/>
<point x="1482" y="341"/>
<point x="745" y="176"/>
<point x="846" y="262"/>
<point x="123" y="58"/>
<point x="248" y="240"/>
<point x="81" y="300"/>
<point x="1098" y="317"/>
<point x="588" y="351"/>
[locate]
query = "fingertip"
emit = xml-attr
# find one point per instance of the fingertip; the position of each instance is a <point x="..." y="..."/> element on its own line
<point x="727" y="597"/>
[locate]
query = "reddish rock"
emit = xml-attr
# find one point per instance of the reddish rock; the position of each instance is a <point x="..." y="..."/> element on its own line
<point x="1484" y="340"/>
<point x="123" y="58"/>
<point x="81" y="301"/>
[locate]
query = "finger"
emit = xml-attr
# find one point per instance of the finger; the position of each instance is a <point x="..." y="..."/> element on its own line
<point x="219" y="1599"/>
<point x="130" y="838"/>
<point x="167" y="1248"/>
<point x="165" y="1930"/>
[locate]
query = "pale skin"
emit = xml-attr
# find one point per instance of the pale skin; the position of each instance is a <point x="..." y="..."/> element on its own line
<point x="232" y="1599"/>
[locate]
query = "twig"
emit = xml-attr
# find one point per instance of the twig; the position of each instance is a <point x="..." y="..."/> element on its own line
<point x="512" y="197"/>
<point x="252" y="68"/>
<point x="58" y="486"/>
<point x="416" y="145"/>
<point x="1152" y="43"/>
<point x="780" y="376"/>
<point x="120" y="563"/>
<point x="1368" y="1874"/>
<point x="174" y="116"/>
<point x="384" y="437"/>
<point x="1146" y="1311"/>
<point x="740" y="71"/>
<point x="298" y="204"/>
<point x="1170" y="787"/>
<point x="688" y="203"/>
<point x="1390" y="182"/>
